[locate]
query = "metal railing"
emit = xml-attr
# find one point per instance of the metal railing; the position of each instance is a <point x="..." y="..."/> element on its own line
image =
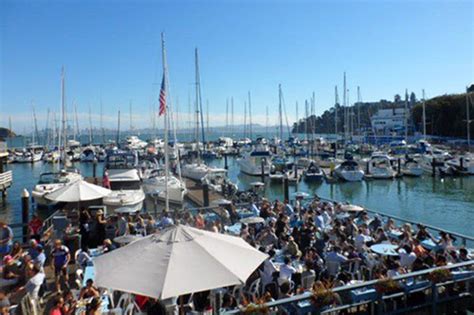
<point x="6" y="179"/>
<point x="464" y="238"/>
<point x="432" y="287"/>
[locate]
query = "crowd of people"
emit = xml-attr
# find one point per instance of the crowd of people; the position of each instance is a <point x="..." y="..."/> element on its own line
<point x="308" y="244"/>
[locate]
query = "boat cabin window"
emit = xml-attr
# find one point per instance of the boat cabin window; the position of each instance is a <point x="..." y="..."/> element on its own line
<point x="125" y="185"/>
<point x="52" y="178"/>
<point x="120" y="161"/>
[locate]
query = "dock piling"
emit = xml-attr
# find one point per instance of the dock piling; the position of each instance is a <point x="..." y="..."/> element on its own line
<point x="25" y="213"/>
<point x="286" y="187"/>
<point x="226" y="166"/>
<point x="262" y="168"/>
<point x="94" y="168"/>
<point x="399" y="166"/>
<point x="205" y="195"/>
<point x="433" y="167"/>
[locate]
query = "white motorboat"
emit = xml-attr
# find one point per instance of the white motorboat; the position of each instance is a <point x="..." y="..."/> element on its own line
<point x="380" y="166"/>
<point x="50" y="182"/>
<point x="74" y="150"/>
<point x="30" y="155"/>
<point x="251" y="163"/>
<point x="52" y="156"/>
<point x="195" y="171"/>
<point x="88" y="154"/>
<point x="217" y="179"/>
<point x="124" y="181"/>
<point x="411" y="168"/>
<point x="349" y="171"/>
<point x="155" y="186"/>
<point x="436" y="162"/>
<point x="134" y="143"/>
<point x="463" y="165"/>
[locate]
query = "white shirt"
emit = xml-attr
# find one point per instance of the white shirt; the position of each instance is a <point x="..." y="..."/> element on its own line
<point x="286" y="272"/>
<point x="33" y="285"/>
<point x="268" y="270"/>
<point x="360" y="240"/>
<point x="406" y="260"/>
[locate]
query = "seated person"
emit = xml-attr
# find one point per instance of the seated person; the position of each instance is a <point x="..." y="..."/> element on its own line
<point x="285" y="290"/>
<point x="89" y="290"/>
<point x="17" y="251"/>
<point x="10" y="269"/>
<point x="84" y="258"/>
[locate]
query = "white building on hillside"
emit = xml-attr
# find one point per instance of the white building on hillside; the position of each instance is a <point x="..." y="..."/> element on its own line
<point x="386" y="121"/>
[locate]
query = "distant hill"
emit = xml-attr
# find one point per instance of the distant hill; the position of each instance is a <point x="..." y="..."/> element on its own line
<point x="6" y="133"/>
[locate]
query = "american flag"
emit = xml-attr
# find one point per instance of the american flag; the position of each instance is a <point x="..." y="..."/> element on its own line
<point x="163" y="97"/>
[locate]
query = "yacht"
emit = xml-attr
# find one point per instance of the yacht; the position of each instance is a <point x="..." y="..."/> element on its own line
<point x="411" y="168"/>
<point x="313" y="173"/>
<point x="195" y="171"/>
<point x="435" y="161"/>
<point x="30" y="155"/>
<point x="88" y="154"/>
<point x="349" y="171"/>
<point x="74" y="150"/>
<point x="380" y="166"/>
<point x="135" y="143"/>
<point x="52" y="156"/>
<point x="124" y="181"/>
<point x="463" y="165"/>
<point x="156" y="183"/>
<point x="50" y="182"/>
<point x="217" y="179"/>
<point x="251" y="163"/>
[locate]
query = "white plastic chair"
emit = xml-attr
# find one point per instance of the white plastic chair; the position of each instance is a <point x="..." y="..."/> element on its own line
<point x="80" y="274"/>
<point x="308" y="281"/>
<point x="119" y="308"/>
<point x="333" y="267"/>
<point x="254" y="288"/>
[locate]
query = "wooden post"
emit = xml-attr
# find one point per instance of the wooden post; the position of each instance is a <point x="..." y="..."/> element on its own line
<point x="205" y="195"/>
<point x="296" y="170"/>
<point x="262" y="168"/>
<point x="286" y="188"/>
<point x="94" y="168"/>
<point x="226" y="166"/>
<point x="367" y="167"/>
<point x="25" y="213"/>
<point x="433" y="167"/>
<point x="461" y="163"/>
<point x="399" y="166"/>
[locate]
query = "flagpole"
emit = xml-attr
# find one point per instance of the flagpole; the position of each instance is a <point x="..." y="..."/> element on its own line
<point x="165" y="122"/>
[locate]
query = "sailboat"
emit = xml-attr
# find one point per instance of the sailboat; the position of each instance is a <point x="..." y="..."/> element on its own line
<point x="198" y="170"/>
<point x="165" y="186"/>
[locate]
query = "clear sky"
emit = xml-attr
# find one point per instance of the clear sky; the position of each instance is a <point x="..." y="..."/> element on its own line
<point x="111" y="51"/>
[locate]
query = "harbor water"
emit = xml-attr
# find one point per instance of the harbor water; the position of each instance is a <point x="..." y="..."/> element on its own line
<point x="447" y="203"/>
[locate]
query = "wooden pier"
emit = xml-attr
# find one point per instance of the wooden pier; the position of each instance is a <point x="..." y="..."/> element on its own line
<point x="196" y="193"/>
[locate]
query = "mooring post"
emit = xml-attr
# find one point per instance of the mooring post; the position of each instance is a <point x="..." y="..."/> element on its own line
<point x="433" y="167"/>
<point x="226" y="166"/>
<point x="94" y="167"/>
<point x="286" y="187"/>
<point x="262" y="169"/>
<point x="25" y="213"/>
<point x="205" y="195"/>
<point x="399" y="166"/>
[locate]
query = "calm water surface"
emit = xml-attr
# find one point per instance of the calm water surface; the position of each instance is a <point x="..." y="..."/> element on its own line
<point x="447" y="203"/>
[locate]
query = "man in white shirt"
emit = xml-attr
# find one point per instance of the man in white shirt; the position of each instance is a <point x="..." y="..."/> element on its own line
<point x="286" y="270"/>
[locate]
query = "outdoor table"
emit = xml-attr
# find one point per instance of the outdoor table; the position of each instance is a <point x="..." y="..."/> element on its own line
<point x="385" y="249"/>
<point x="234" y="229"/>
<point x="395" y="234"/>
<point x="343" y="216"/>
<point x="363" y="294"/>
<point x="89" y="273"/>
<point x="429" y="244"/>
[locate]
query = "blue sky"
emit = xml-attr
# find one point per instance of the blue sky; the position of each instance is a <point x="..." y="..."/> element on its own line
<point x="111" y="51"/>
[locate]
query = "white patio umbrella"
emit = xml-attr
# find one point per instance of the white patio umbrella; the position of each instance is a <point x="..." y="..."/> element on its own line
<point x="352" y="208"/>
<point x="252" y="220"/>
<point x="177" y="261"/>
<point x="78" y="191"/>
<point x="125" y="210"/>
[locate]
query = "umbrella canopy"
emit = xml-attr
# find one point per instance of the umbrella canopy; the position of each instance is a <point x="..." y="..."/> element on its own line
<point x="252" y="220"/>
<point x="177" y="261"/>
<point x="78" y="191"/>
<point x="352" y="208"/>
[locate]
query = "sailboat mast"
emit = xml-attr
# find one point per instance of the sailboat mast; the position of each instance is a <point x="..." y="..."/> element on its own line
<point x="232" y="117"/>
<point x="199" y="98"/>
<point x="424" y="114"/>
<point x="101" y="122"/>
<point x="266" y="121"/>
<point x="468" y="121"/>
<point x="359" y="103"/>
<point x="406" y="117"/>
<point x="207" y="117"/>
<point x="78" y="133"/>
<point x="245" y="119"/>
<point x="280" y="112"/>
<point x="306" y="125"/>
<point x="46" y="130"/>
<point x="163" y="52"/>
<point x="90" y="126"/>
<point x="345" y="107"/>
<point x="336" y="102"/>
<point x="227" y="115"/>
<point x="250" y="117"/>
<point x="297" y="114"/>
<point x="62" y="138"/>
<point x="36" y="124"/>
<point x="118" y="129"/>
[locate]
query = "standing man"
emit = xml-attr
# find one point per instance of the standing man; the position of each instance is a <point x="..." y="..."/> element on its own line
<point x="6" y="239"/>
<point x="60" y="259"/>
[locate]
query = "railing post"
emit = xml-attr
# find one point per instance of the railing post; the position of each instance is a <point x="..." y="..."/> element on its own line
<point x="25" y="213"/>
<point x="434" y="302"/>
